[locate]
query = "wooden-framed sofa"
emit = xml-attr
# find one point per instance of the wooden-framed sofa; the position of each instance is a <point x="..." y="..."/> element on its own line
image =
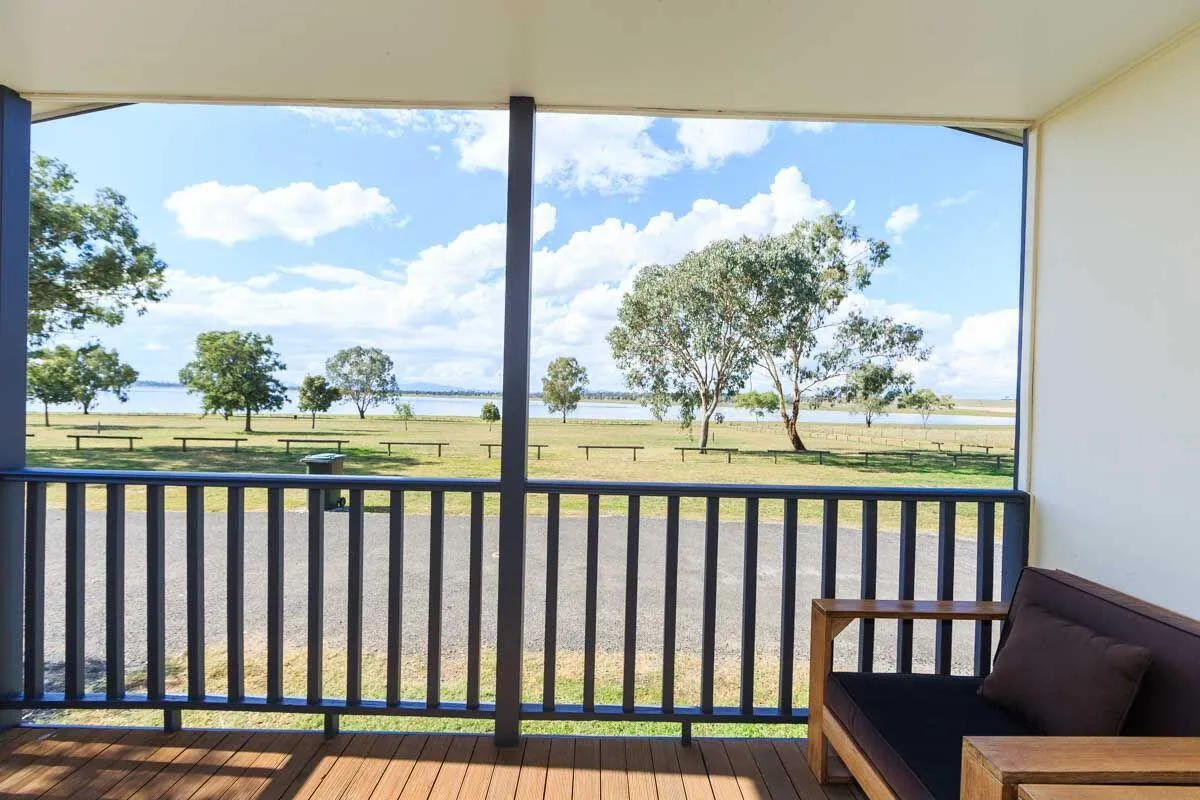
<point x="933" y="737"/>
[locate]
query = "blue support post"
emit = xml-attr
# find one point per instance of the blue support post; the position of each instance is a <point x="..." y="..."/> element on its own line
<point x="514" y="436"/>
<point x="15" y="124"/>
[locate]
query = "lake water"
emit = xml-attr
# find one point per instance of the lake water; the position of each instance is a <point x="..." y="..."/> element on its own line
<point x="176" y="400"/>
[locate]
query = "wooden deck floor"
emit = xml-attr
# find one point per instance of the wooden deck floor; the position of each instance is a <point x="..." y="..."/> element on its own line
<point x="88" y="764"/>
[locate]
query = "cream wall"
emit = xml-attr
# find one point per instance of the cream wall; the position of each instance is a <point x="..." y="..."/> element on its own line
<point x="1113" y="320"/>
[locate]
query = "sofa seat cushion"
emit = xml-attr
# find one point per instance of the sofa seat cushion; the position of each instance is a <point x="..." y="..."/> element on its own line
<point x="911" y="727"/>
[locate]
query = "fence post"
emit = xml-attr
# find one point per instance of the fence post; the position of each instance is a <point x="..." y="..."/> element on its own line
<point x="1014" y="553"/>
<point x="15" y="124"/>
<point x="514" y="434"/>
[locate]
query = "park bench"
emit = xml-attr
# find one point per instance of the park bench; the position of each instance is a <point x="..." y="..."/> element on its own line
<point x="78" y="436"/>
<point x="438" y="445"/>
<point x="998" y="457"/>
<point x="490" y="445"/>
<point x="287" y="443"/>
<point x="728" y="451"/>
<point x="183" y="440"/>
<point x="587" y="448"/>
<point x="820" y="454"/>
<point x="909" y="454"/>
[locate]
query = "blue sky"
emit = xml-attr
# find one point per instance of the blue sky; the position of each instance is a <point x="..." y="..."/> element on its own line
<point x="333" y="227"/>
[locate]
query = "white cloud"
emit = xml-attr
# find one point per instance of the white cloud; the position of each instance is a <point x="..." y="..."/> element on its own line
<point x="958" y="200"/>
<point x="388" y="122"/>
<point x="299" y="211"/>
<point x="980" y="357"/>
<point x="708" y="142"/>
<point x="812" y="127"/>
<point x="901" y="219"/>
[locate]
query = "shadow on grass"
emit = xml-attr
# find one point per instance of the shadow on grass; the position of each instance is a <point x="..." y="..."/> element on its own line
<point x="198" y="458"/>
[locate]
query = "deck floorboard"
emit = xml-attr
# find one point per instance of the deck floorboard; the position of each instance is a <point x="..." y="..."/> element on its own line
<point x="122" y="764"/>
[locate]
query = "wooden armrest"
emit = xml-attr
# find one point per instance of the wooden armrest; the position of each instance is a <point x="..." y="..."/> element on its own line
<point x="1075" y="791"/>
<point x="978" y="610"/>
<point x="994" y="766"/>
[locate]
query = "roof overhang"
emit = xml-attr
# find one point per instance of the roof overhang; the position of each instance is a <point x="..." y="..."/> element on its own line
<point x="975" y="64"/>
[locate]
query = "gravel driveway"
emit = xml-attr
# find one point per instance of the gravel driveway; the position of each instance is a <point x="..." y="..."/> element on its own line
<point x="571" y="581"/>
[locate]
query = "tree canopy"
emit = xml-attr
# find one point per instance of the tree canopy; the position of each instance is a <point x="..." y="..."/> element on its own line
<point x="799" y="330"/>
<point x="925" y="402"/>
<point x="87" y="263"/>
<point x="405" y="412"/>
<point x="317" y="396"/>
<point x="235" y="371"/>
<point x="874" y="388"/>
<point x="49" y="378"/>
<point x="69" y="375"/>
<point x="489" y="413"/>
<point x="563" y="385"/>
<point x="757" y="403"/>
<point x="363" y="374"/>
<point x="680" y="338"/>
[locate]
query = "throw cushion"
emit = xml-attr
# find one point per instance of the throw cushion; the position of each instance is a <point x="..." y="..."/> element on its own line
<point x="1063" y="678"/>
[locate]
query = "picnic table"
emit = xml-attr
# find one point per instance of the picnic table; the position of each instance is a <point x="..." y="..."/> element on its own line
<point x="497" y="445"/>
<point x="987" y="448"/>
<point x="287" y="443"/>
<point x="976" y="456"/>
<point x="910" y="454"/>
<point x="820" y="454"/>
<point x="78" y="436"/>
<point x="183" y="440"/>
<point x="728" y="451"/>
<point x="587" y="448"/>
<point x="438" y="445"/>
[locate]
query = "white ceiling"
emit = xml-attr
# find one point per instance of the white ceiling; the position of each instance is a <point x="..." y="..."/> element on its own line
<point x="979" y="62"/>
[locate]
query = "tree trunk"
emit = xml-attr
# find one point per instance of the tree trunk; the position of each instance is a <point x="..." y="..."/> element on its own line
<point x="868" y="418"/>
<point x="46" y="413"/>
<point x="314" y="421"/>
<point x="85" y="409"/>
<point x="247" y="428"/>
<point x="704" y="429"/>
<point x="789" y="422"/>
<point x="362" y="412"/>
<point x="564" y="417"/>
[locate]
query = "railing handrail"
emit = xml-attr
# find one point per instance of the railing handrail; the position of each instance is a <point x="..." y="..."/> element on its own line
<point x="249" y="480"/>
<point x="534" y="486"/>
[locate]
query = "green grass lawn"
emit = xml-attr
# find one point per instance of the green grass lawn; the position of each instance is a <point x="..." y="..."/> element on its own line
<point x="562" y="458"/>
<point x="569" y="689"/>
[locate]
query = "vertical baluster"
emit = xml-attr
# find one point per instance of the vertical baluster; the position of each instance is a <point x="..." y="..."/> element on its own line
<point x="829" y="543"/>
<point x="274" y="595"/>
<point x="1014" y="548"/>
<point x="156" y="568"/>
<point x="475" y="600"/>
<point x="670" y="595"/>
<point x="749" y="602"/>
<point x="550" y="650"/>
<point x="76" y="528"/>
<point x="195" y="592"/>
<point x="868" y="575"/>
<point x="787" y="604"/>
<point x="589" y="602"/>
<point x="354" y="600"/>
<point x="944" y="644"/>
<point x="629" y="660"/>
<point x="235" y="583"/>
<point x="985" y="542"/>
<point x="708" y="625"/>
<point x="316" y="595"/>
<point x="395" y="614"/>
<point x="908" y="581"/>
<point x="114" y="591"/>
<point x="35" y="590"/>
<point x="437" y="536"/>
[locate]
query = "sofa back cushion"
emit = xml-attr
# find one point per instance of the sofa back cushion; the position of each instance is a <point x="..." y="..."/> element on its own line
<point x="1168" y="702"/>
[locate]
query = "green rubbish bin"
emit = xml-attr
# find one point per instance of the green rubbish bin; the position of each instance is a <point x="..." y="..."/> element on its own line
<point x="327" y="464"/>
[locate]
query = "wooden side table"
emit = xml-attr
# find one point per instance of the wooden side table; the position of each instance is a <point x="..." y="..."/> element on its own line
<point x="994" y="767"/>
